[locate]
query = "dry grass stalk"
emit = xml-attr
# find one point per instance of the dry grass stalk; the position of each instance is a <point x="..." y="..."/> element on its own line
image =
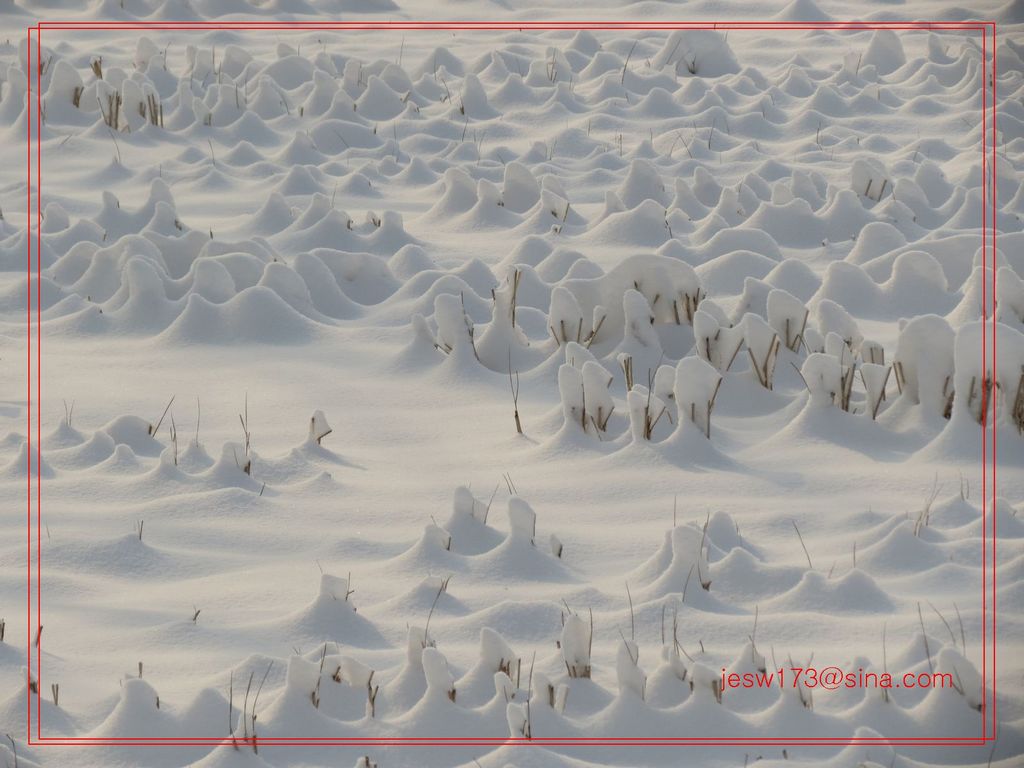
<point x="427" y="642"/>
<point x="174" y="439"/>
<point x="152" y="110"/>
<point x="565" y="334"/>
<point x="806" y="553"/>
<point x="626" y="62"/>
<point x="846" y="387"/>
<point x="627" y="370"/>
<point x="765" y="369"/>
<point x="315" y="695"/>
<point x="153" y="430"/>
<point x="650" y="420"/>
<point x="112" y="114"/>
<point x="244" y="419"/>
<point x="924" y="516"/>
<point x="371" y="694"/>
<point x="514" y="387"/>
<point x="705" y="583"/>
<point x="901" y="378"/>
<point x="516" y="277"/>
<point x="600" y="421"/>
<point x="690" y="302"/>
<point x="793" y="341"/>
<point x="584" y="670"/>
<point x="881" y="395"/>
<point x="593" y="333"/>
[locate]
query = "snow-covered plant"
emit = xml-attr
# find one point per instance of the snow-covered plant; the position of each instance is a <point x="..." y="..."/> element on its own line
<point x="522" y="520"/>
<point x="763" y="346"/>
<point x="504" y="687"/>
<point x="627" y="668"/>
<point x="520" y="190"/>
<point x="439" y="677"/>
<point x="688" y="293"/>
<point x="557" y="548"/>
<point x="547" y="694"/>
<point x="664" y="385"/>
<point x="639" y="319"/>
<point x="497" y="655"/>
<point x="924" y="364"/>
<point x="598" y="398"/>
<point x="813" y="341"/>
<point x="966" y="680"/>
<point x="565" y="318"/>
<point x="672" y="652"/>
<point x="555" y="696"/>
<point x="112" y="112"/>
<point x="572" y="395"/>
<point x="435" y="535"/>
<point x="788" y="317"/>
<point x="645" y="412"/>
<point x="869" y="178"/>
<point x="715" y="339"/>
<point x="466" y="505"/>
<point x="502" y="340"/>
<point x="351" y="672"/>
<point x="576" y="642"/>
<point x="336" y="587"/>
<point x="704" y="680"/>
<point x="872" y="352"/>
<point x="837" y="348"/>
<point x="518" y="719"/>
<point x="833" y="318"/>
<point x="454" y="328"/>
<point x="245" y="462"/>
<point x="577" y="354"/>
<point x="318" y="427"/>
<point x="696" y="52"/>
<point x="520" y="722"/>
<point x="696" y="388"/>
<point x="1004" y="381"/>
<point x="823" y="375"/>
<point x="586" y="400"/>
<point x="417" y="639"/>
<point x="875" y="377"/>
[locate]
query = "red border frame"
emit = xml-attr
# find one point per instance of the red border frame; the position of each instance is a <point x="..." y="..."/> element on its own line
<point x="987" y="28"/>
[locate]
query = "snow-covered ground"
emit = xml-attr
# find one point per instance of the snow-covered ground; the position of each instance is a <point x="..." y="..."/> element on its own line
<point x="300" y="288"/>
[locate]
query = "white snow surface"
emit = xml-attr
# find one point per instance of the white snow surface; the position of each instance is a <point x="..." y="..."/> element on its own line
<point x="292" y="294"/>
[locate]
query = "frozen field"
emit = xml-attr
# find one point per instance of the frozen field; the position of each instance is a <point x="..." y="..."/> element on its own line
<point x="506" y="384"/>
